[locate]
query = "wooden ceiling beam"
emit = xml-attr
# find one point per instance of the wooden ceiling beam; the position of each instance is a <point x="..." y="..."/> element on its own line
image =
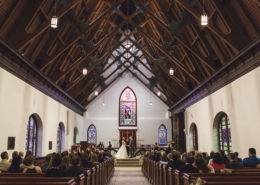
<point x="47" y="25"/>
<point x="174" y="36"/>
<point x="159" y="65"/>
<point x="210" y="26"/>
<point x="158" y="46"/>
<point x="79" y="36"/>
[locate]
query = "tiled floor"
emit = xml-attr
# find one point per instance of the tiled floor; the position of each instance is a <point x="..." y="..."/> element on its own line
<point x="128" y="176"/>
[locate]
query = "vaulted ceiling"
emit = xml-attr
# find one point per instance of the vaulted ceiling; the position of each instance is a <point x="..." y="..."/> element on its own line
<point x="142" y="37"/>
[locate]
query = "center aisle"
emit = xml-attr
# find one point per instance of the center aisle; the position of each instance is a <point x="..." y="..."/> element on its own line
<point x="128" y="176"/>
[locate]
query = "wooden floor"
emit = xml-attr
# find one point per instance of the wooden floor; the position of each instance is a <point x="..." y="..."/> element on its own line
<point x="128" y="176"/>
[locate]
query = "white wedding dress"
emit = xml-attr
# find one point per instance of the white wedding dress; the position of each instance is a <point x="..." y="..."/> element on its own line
<point x="122" y="152"/>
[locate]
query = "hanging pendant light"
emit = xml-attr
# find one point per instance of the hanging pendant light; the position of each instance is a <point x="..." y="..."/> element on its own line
<point x="103" y="103"/>
<point x="171" y="71"/>
<point x="204" y="16"/>
<point x="96" y="93"/>
<point x="159" y="93"/>
<point x="84" y="71"/>
<point x="54" y="18"/>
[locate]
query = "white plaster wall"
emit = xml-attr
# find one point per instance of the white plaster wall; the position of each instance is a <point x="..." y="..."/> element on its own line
<point x="149" y="118"/>
<point x="18" y="101"/>
<point x="240" y="100"/>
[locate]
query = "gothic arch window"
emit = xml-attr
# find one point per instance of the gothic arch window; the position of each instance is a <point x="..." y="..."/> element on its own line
<point x="76" y="136"/>
<point x="92" y="134"/>
<point x="60" y="137"/>
<point x="162" y="135"/>
<point x="194" y="136"/>
<point x="224" y="134"/>
<point x="34" y="135"/>
<point x="127" y="108"/>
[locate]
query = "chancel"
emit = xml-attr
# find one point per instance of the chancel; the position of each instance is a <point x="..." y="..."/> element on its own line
<point x="140" y="92"/>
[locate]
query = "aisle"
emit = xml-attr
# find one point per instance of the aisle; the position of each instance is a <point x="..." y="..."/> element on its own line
<point x="128" y="176"/>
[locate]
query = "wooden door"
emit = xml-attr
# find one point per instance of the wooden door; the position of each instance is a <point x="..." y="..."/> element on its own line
<point x="127" y="133"/>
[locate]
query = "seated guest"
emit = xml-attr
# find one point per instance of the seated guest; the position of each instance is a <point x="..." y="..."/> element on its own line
<point x="109" y="144"/>
<point x="65" y="162"/>
<point x="176" y="163"/>
<point x="28" y="153"/>
<point x="85" y="162"/>
<point x="46" y="165"/>
<point x="238" y="158"/>
<point x="202" y="167"/>
<point x="152" y="155"/>
<point x="54" y="170"/>
<point x="75" y="169"/>
<point x="101" y="157"/>
<point x="29" y="167"/>
<point x="94" y="159"/>
<point x="224" y="157"/>
<point x="15" y="153"/>
<point x="4" y="164"/>
<point x="252" y="161"/>
<point x="234" y="163"/>
<point x="15" y="166"/>
<point x="164" y="159"/>
<point x="100" y="145"/>
<point x="21" y="154"/>
<point x="168" y="149"/>
<point x="189" y="166"/>
<point x="218" y="164"/>
<point x="155" y="147"/>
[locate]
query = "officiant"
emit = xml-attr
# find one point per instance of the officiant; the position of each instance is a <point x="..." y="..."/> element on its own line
<point x="127" y="146"/>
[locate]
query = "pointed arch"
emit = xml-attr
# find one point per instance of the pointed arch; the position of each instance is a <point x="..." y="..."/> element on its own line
<point x="222" y="133"/>
<point x="92" y="134"/>
<point x="34" y="135"/>
<point x="127" y="108"/>
<point x="61" y="138"/>
<point x="162" y="135"/>
<point x="194" y="137"/>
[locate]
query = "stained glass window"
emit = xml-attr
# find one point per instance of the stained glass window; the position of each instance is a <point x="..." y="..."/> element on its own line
<point x="31" y="136"/>
<point x="162" y="135"/>
<point x="60" y="137"/>
<point x="92" y="134"/>
<point x="127" y="108"/>
<point x="224" y="134"/>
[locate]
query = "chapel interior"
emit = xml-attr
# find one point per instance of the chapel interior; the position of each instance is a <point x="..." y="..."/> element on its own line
<point x="173" y="79"/>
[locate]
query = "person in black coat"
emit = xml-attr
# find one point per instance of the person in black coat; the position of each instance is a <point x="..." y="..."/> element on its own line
<point x="168" y="149"/>
<point x="54" y="170"/>
<point x="189" y="168"/>
<point x="85" y="162"/>
<point x="75" y="169"/>
<point x="175" y="162"/>
<point x="234" y="163"/>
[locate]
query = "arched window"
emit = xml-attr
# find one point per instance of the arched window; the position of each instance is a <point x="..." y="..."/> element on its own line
<point x="92" y="134"/>
<point x="34" y="135"/>
<point x="127" y="108"/>
<point x="60" y="137"/>
<point x="162" y="135"/>
<point x="76" y="136"/>
<point x="224" y="134"/>
<point x="194" y="136"/>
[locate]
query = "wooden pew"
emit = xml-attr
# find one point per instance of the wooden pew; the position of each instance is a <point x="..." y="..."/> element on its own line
<point x="38" y="180"/>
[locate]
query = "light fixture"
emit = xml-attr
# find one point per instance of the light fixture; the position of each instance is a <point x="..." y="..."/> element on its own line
<point x="150" y="99"/>
<point x="159" y="93"/>
<point x="171" y="71"/>
<point x="204" y="16"/>
<point x="96" y="93"/>
<point x="84" y="71"/>
<point x="127" y="46"/>
<point x="150" y="103"/>
<point x="103" y="103"/>
<point x="54" y="18"/>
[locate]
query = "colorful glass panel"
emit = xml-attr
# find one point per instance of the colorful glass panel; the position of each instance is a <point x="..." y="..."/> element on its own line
<point x="92" y="134"/>
<point x="31" y="136"/>
<point x="224" y="134"/>
<point x="59" y="138"/>
<point x="162" y="135"/>
<point x="127" y="108"/>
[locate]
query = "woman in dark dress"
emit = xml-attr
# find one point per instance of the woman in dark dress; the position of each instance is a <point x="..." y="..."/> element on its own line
<point x="55" y="170"/>
<point x="15" y="166"/>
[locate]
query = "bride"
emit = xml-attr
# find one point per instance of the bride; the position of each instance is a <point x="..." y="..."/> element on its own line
<point x="122" y="153"/>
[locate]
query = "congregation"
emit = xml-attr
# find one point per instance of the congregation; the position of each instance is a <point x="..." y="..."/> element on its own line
<point x="63" y="164"/>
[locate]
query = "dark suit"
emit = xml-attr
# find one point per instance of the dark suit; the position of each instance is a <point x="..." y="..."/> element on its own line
<point x="127" y="147"/>
<point x="131" y="148"/>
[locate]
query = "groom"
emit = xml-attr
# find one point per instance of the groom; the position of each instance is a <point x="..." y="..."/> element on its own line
<point x="131" y="146"/>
